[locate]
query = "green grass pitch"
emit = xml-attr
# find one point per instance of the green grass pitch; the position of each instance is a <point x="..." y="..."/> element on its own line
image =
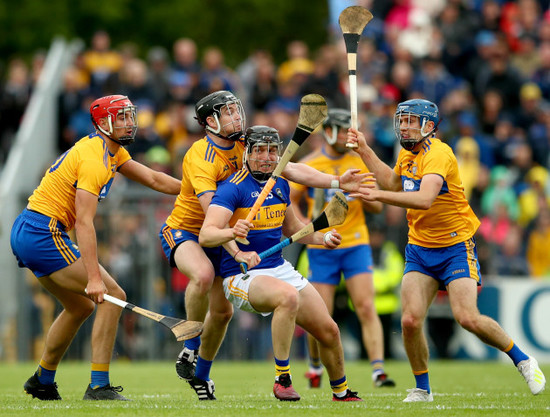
<point x="461" y="388"/>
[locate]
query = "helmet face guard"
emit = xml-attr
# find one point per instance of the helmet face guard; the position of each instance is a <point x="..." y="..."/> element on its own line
<point x="336" y="119"/>
<point x="260" y="139"/>
<point x="110" y="107"/>
<point x="213" y="105"/>
<point x="425" y="111"/>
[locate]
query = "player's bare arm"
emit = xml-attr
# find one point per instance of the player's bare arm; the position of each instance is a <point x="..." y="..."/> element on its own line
<point x="158" y="181"/>
<point x="419" y="200"/>
<point x="86" y="206"/>
<point x="385" y="176"/>
<point x="351" y="180"/>
<point x="214" y="232"/>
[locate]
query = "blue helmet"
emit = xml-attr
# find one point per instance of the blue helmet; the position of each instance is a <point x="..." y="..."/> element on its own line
<point x="425" y="110"/>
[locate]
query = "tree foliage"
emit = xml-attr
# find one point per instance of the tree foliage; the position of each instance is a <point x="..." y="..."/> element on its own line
<point x="236" y="26"/>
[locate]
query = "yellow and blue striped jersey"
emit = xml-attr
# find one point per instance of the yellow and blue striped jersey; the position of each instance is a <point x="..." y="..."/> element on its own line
<point x="354" y="229"/>
<point x="89" y="166"/>
<point x="238" y="194"/>
<point x="450" y="219"/>
<point x="204" y="166"/>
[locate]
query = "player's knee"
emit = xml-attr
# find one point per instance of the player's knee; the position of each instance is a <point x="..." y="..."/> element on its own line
<point x="202" y="281"/>
<point x="81" y="311"/>
<point x="365" y="310"/>
<point x="410" y="323"/>
<point x="289" y="300"/>
<point x="330" y="334"/>
<point x="86" y="309"/>
<point x="118" y="292"/>
<point x="222" y="314"/>
<point x="468" y="322"/>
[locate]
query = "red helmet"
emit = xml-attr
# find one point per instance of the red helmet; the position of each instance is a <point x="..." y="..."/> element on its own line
<point x="108" y="107"/>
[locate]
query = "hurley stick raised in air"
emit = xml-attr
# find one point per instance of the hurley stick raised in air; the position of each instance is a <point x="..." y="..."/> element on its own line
<point x="352" y="22"/>
<point x="334" y="214"/>
<point x="313" y="110"/>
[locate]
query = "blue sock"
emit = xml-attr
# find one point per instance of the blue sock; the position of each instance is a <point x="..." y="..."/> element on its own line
<point x="202" y="371"/>
<point x="377" y="366"/>
<point x="193" y="343"/>
<point x="423" y="381"/>
<point x="282" y="366"/>
<point x="516" y="354"/>
<point x="45" y="376"/>
<point x="99" y="379"/>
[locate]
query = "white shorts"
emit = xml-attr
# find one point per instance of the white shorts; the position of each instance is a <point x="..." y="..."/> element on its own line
<point x="236" y="287"/>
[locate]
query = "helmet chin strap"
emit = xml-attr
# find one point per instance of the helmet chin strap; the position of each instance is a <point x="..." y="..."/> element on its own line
<point x="232" y="136"/>
<point x="259" y="176"/>
<point x="409" y="144"/>
<point x="123" y="141"/>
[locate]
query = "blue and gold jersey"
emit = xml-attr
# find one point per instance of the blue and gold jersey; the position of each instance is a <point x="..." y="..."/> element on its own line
<point x="204" y="166"/>
<point x="450" y="219"/>
<point x="354" y="230"/>
<point x="89" y="166"/>
<point x="238" y="194"/>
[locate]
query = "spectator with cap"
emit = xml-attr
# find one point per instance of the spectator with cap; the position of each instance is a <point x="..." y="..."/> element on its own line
<point x="530" y="97"/>
<point x="484" y="42"/>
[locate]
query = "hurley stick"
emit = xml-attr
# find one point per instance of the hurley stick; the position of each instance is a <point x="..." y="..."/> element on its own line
<point x="352" y="22"/>
<point x="182" y="329"/>
<point x="313" y="111"/>
<point x="334" y="214"/>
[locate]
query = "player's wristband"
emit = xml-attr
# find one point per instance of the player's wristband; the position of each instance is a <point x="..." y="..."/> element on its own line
<point x="236" y="254"/>
<point x="335" y="183"/>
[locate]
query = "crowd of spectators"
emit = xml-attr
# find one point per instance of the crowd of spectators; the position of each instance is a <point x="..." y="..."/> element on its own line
<point x="485" y="63"/>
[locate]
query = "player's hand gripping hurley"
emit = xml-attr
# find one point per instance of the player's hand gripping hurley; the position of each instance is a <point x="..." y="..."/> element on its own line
<point x="334" y="214"/>
<point x="313" y="111"/>
<point x="182" y="329"/>
<point x="352" y="22"/>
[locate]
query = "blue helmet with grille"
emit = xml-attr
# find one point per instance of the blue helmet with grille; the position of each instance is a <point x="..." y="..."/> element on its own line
<point x="425" y="110"/>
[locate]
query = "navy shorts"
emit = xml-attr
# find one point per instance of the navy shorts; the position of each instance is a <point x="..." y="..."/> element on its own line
<point x="41" y="244"/>
<point x="327" y="266"/>
<point x="444" y="264"/>
<point x="172" y="238"/>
